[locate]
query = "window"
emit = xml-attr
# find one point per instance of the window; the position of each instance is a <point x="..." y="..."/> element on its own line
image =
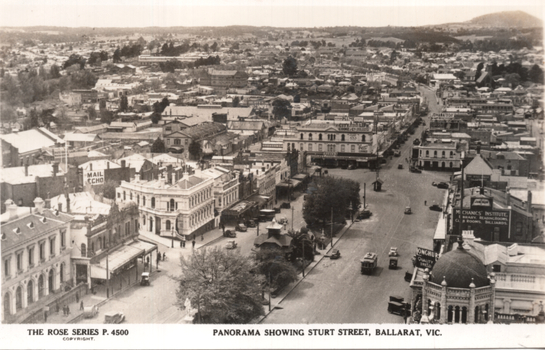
<point x="320" y="147"/>
<point x="144" y="201"/>
<point x="130" y="196"/>
<point x="138" y="199"/>
<point x="496" y="268"/>
<point x="301" y="147"/>
<point x="342" y="137"/>
<point x="320" y="137"/>
<point x="20" y="261"/>
<point x="177" y="142"/>
<point x="310" y="147"/>
<point x="63" y="238"/>
<point x="434" y="154"/>
<point x="167" y="225"/>
<point x="342" y="147"/>
<point x="62" y="272"/>
<point x="427" y="153"/>
<point x="42" y="251"/>
<point x="124" y="195"/>
<point x="362" y="138"/>
<point x="172" y="205"/>
<point x="443" y="154"/>
<point x="118" y="194"/>
<point x="7" y="267"/>
<point x="310" y="137"/>
<point x="451" y="154"/>
<point x="353" y="148"/>
<point x="31" y="256"/>
<point x="168" y="141"/>
<point x="301" y="136"/>
<point x="496" y="234"/>
<point x="83" y="250"/>
<point x="52" y="247"/>
<point x="168" y="128"/>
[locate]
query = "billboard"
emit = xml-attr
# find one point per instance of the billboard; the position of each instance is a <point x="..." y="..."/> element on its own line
<point x="426" y="258"/>
<point x="93" y="178"/>
<point x="490" y="225"/>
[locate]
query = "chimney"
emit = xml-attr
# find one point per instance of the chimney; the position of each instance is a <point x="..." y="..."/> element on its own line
<point x="26" y="169"/>
<point x="39" y="205"/>
<point x="137" y="177"/>
<point x="12" y="209"/>
<point x="47" y="203"/>
<point x="529" y="202"/>
<point x="56" y="169"/>
<point x="67" y="196"/>
<point x="123" y="163"/>
<point x="107" y="165"/>
<point x="90" y="166"/>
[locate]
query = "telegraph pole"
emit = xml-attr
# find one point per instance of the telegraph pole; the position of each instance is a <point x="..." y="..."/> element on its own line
<point x="331" y="227"/>
<point x="292" y="210"/>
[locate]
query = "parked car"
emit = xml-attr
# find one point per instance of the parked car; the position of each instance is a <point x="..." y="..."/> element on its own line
<point x="400" y="166"/>
<point x="277" y="210"/>
<point x="436" y="207"/>
<point x="393" y="251"/>
<point x="408" y="210"/>
<point x="241" y="228"/>
<point x="335" y="254"/>
<point x="416" y="142"/>
<point x="443" y="185"/>
<point x="229" y="233"/>
<point x="282" y="220"/>
<point x="144" y="281"/>
<point x="397" y="153"/>
<point x="114" y="317"/>
<point x="415" y="170"/>
<point x="285" y="205"/>
<point x="251" y="223"/>
<point x="364" y="214"/>
<point x="231" y="245"/>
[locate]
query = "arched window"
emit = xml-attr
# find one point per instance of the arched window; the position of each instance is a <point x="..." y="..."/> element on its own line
<point x="18" y="299"/>
<point x="41" y="286"/>
<point x="62" y="272"/>
<point x="342" y="137"/>
<point x="7" y="299"/>
<point x="153" y="202"/>
<point x="362" y="138"/>
<point x="172" y="205"/>
<point x="320" y="137"/>
<point x="310" y="147"/>
<point x="310" y="137"/>
<point x="443" y="154"/>
<point x="83" y="250"/>
<point x="167" y="225"/>
<point x="144" y="200"/>
<point x="30" y="292"/>
<point x="427" y="153"/>
<point x="301" y="136"/>
<point x="434" y="154"/>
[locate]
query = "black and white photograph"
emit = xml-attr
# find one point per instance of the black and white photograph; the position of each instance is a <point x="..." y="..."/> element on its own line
<point x="272" y="174"/>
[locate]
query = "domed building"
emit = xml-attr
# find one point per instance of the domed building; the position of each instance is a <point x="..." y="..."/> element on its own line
<point x="457" y="290"/>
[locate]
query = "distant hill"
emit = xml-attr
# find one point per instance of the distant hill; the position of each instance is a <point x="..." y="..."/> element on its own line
<point x="513" y="19"/>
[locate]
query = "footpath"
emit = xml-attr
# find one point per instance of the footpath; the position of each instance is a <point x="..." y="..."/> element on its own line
<point x="172" y="251"/>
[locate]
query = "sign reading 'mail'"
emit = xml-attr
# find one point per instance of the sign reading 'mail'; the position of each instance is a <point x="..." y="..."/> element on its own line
<point x="93" y="178"/>
<point x="426" y="258"/>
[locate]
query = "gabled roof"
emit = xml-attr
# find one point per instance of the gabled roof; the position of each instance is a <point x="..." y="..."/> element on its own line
<point x="478" y="166"/>
<point x="191" y="181"/>
<point x="32" y="140"/>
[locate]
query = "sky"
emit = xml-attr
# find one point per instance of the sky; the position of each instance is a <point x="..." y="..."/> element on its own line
<point x="275" y="13"/>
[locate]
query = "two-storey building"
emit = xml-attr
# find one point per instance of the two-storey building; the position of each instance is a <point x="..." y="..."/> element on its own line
<point x="36" y="248"/>
<point x="171" y="207"/>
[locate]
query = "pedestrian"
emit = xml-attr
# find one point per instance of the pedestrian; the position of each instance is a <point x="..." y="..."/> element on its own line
<point x="425" y="203"/>
<point x="164" y="256"/>
<point x="67" y="310"/>
<point x="81" y="305"/>
<point x="182" y="242"/>
<point x="77" y="297"/>
<point x="193" y="243"/>
<point x="222" y="228"/>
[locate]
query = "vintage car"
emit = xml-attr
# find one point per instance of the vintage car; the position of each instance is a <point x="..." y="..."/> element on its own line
<point x="400" y="166"/>
<point x="229" y="233"/>
<point x="251" y="223"/>
<point x="393" y="251"/>
<point x="144" y="279"/>
<point x="408" y="210"/>
<point x="114" y="317"/>
<point x="241" y="227"/>
<point x="335" y="254"/>
<point x="364" y="214"/>
<point x="397" y="153"/>
<point x="435" y="207"/>
<point x="415" y="170"/>
<point x="231" y="245"/>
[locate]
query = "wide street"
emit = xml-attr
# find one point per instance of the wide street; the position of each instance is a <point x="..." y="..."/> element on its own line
<point x="335" y="291"/>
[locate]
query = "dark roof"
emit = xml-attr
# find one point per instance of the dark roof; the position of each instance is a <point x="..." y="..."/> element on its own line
<point x="204" y="130"/>
<point x="459" y="269"/>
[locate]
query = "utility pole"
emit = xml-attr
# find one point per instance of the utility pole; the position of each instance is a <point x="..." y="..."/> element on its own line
<point x="331" y="227"/>
<point x="107" y="273"/>
<point x="364" y="205"/>
<point x="303" y="260"/>
<point x="292" y="210"/>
